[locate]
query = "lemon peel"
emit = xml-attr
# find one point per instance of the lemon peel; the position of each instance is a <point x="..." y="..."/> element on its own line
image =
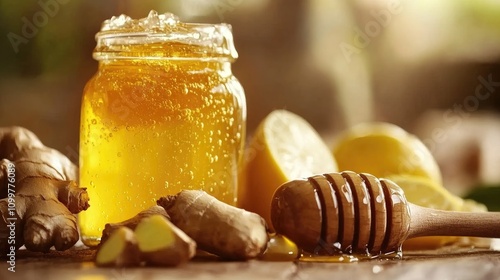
<point x="284" y="147"/>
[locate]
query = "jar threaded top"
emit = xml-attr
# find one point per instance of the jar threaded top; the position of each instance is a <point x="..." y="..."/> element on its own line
<point x="163" y="36"/>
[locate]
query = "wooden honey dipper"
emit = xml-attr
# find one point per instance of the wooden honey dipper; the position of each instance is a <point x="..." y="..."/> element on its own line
<point x="357" y="213"/>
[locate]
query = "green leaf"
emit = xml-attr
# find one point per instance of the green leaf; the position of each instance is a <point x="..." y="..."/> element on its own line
<point x="488" y="195"/>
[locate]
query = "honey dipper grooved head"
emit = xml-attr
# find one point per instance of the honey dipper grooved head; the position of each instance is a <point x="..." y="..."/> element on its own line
<point x="342" y="213"/>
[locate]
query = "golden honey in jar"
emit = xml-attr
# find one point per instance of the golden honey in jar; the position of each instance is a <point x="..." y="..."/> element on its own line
<point x="163" y="113"/>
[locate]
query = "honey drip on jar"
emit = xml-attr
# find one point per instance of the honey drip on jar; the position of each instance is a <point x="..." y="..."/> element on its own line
<point x="163" y="113"/>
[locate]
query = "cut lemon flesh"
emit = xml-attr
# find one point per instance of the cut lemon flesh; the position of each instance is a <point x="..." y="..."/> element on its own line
<point x="424" y="192"/>
<point x="284" y="147"/>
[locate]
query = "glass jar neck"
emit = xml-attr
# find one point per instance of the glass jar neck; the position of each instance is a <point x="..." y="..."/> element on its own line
<point x="159" y="51"/>
<point x="222" y="66"/>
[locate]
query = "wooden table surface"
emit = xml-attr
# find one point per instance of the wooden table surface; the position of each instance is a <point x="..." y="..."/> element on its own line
<point x="445" y="264"/>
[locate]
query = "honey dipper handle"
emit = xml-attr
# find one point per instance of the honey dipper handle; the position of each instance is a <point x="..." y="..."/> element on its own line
<point x="431" y="222"/>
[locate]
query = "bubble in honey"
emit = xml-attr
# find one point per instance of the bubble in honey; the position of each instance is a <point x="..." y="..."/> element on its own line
<point x="214" y="159"/>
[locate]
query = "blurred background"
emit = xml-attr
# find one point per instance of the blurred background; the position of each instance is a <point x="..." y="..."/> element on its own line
<point x="423" y="65"/>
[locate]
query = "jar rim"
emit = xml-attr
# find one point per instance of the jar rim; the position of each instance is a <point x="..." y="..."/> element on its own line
<point x="208" y="40"/>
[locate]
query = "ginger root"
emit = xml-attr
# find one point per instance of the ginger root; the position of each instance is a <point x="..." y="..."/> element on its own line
<point x="38" y="194"/>
<point x="217" y="227"/>
<point x="133" y="222"/>
<point x="155" y="241"/>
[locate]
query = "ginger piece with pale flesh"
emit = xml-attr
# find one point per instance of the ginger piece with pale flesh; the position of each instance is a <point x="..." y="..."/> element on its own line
<point x="134" y="221"/>
<point x="162" y="243"/>
<point x="155" y="241"/>
<point x="119" y="250"/>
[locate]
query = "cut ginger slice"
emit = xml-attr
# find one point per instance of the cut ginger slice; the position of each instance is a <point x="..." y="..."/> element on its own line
<point x="162" y="243"/>
<point x="119" y="250"/>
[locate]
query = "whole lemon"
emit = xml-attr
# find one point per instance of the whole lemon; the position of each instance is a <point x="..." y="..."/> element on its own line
<point x="384" y="149"/>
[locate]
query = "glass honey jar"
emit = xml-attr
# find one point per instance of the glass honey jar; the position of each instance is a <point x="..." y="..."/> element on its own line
<point x="163" y="113"/>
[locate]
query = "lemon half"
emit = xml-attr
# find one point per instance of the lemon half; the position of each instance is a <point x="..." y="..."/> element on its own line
<point x="284" y="147"/>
